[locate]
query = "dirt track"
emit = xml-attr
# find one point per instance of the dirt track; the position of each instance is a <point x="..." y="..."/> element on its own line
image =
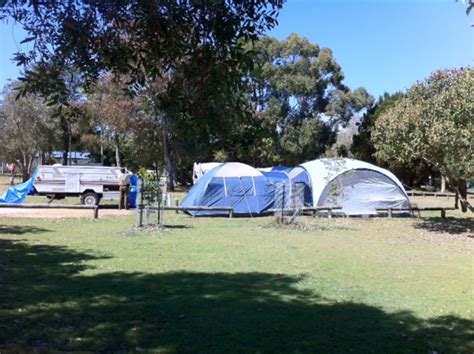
<point x="60" y="213"/>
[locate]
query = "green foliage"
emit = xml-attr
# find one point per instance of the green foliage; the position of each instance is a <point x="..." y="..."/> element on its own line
<point x="142" y="39"/>
<point x="469" y="5"/>
<point x="413" y="172"/>
<point x="433" y="122"/>
<point x="362" y="145"/>
<point x="298" y="99"/>
<point x="27" y="127"/>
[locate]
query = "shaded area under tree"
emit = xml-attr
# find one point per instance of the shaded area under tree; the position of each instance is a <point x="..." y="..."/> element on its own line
<point x="454" y="226"/>
<point x="47" y="304"/>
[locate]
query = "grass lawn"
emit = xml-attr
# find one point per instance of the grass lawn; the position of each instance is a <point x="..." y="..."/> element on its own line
<point x="237" y="285"/>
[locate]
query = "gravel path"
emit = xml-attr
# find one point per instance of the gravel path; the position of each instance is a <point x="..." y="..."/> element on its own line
<point x="59" y="213"/>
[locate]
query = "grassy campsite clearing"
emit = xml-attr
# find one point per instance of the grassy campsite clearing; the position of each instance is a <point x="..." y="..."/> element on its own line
<point x="237" y="285"/>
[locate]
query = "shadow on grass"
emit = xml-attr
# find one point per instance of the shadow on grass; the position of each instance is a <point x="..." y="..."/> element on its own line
<point x="20" y="230"/>
<point x="454" y="226"/>
<point x="46" y="304"/>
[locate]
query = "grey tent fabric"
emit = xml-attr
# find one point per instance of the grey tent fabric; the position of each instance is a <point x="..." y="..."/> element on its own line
<point x="361" y="192"/>
<point x="359" y="187"/>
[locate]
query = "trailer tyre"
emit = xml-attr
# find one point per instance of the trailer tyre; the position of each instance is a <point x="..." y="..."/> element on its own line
<point x="90" y="198"/>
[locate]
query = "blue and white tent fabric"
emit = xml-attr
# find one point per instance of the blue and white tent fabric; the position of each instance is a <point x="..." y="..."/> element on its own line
<point x="232" y="184"/>
<point x="290" y="177"/>
<point x="358" y="187"/>
<point x="16" y="194"/>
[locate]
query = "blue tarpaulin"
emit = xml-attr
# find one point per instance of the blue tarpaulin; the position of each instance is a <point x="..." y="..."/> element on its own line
<point x="133" y="194"/>
<point x="16" y="194"/>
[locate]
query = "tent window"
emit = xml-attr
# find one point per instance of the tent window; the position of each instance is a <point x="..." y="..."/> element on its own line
<point x="243" y="187"/>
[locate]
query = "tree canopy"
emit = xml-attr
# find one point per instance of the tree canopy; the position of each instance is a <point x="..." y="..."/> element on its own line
<point x="298" y="97"/>
<point x="27" y="127"/>
<point x="143" y="39"/>
<point x="433" y="122"/>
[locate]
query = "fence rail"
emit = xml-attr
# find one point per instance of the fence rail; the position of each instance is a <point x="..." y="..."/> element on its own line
<point x="390" y="211"/>
<point x="149" y="208"/>
<point x="435" y="194"/>
<point x="94" y="208"/>
<point x="307" y="209"/>
<point x="430" y="194"/>
<point x="178" y="208"/>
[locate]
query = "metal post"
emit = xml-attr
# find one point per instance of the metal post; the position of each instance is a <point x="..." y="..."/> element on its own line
<point x="389" y="212"/>
<point x="176" y="202"/>
<point x="140" y="204"/>
<point x="147" y="215"/>
<point x="95" y="212"/>
<point x="282" y="203"/>
<point x="160" y="213"/>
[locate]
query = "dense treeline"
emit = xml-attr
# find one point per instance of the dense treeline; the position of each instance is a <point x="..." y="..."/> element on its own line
<point x="287" y="108"/>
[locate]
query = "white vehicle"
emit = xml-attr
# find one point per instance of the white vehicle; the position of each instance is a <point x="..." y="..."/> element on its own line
<point x="90" y="183"/>
<point x="200" y="169"/>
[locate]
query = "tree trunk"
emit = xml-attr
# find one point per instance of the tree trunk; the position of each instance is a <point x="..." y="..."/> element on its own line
<point x="117" y="150"/>
<point x="459" y="186"/>
<point x="69" y="144"/>
<point x="463" y="194"/>
<point x="102" y="146"/>
<point x="29" y="165"/>
<point x="167" y="152"/>
<point x="443" y="184"/>
<point x="24" y="174"/>
<point x="66" y="140"/>
<point x="24" y="168"/>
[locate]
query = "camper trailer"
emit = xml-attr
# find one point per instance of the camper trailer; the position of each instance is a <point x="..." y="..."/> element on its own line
<point x="90" y="183"/>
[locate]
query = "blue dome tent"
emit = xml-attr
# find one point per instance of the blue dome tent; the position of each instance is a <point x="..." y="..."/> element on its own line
<point x="358" y="187"/>
<point x="232" y="184"/>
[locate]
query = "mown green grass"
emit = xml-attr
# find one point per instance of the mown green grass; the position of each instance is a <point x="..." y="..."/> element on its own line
<point x="237" y="285"/>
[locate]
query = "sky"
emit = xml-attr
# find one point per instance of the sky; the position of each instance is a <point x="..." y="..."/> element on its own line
<point x="382" y="45"/>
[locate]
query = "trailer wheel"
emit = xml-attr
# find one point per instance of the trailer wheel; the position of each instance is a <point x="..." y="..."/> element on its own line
<point x="90" y="198"/>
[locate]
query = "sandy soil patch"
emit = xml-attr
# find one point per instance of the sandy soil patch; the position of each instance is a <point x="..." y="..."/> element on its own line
<point x="60" y="213"/>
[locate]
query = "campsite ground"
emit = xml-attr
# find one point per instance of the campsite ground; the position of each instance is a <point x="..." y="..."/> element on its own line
<point x="238" y="285"/>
